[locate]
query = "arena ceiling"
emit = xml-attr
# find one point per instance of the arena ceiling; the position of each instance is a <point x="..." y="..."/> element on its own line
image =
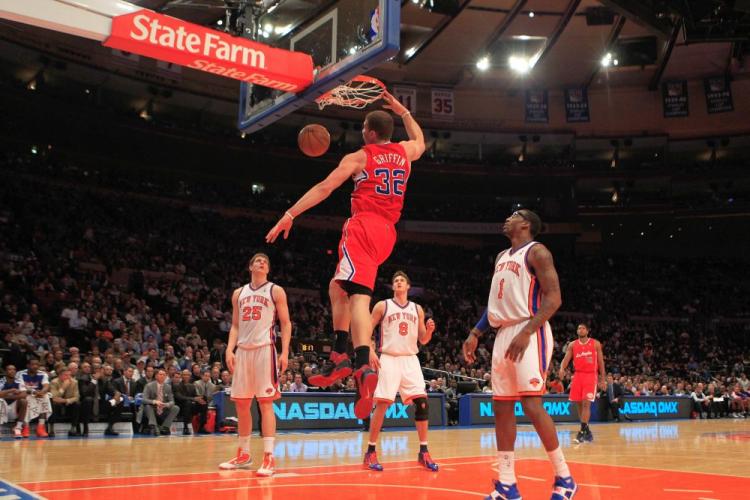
<point x="442" y="40"/>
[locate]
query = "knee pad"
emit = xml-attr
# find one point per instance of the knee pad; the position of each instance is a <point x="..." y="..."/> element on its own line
<point x="421" y="409"/>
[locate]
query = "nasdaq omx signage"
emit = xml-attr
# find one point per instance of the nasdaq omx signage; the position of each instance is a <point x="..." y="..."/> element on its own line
<point x="336" y="411"/>
<point x="173" y="40"/>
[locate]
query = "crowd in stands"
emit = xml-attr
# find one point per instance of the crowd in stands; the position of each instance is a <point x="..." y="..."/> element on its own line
<point x="118" y="294"/>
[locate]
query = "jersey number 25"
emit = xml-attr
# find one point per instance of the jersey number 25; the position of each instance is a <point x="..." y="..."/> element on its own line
<point x="251" y="313"/>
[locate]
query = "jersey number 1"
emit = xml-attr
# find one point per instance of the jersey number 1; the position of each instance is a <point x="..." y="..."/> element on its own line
<point x="251" y="313"/>
<point x="500" y="287"/>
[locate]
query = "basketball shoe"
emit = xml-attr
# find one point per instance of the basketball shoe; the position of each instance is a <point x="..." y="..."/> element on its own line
<point x="41" y="431"/>
<point x="425" y="459"/>
<point x="339" y="367"/>
<point x="589" y="436"/>
<point x="564" y="488"/>
<point x="371" y="462"/>
<point x="268" y="467"/>
<point x="367" y="381"/>
<point x="26" y="430"/>
<point x="580" y="437"/>
<point x="241" y="461"/>
<point x="17" y="433"/>
<point x="504" y="492"/>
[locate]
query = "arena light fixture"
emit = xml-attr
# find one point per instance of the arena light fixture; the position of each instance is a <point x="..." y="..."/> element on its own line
<point x="410" y="51"/>
<point x="607" y="60"/>
<point x="483" y="64"/>
<point x="531" y="14"/>
<point x="522" y="64"/>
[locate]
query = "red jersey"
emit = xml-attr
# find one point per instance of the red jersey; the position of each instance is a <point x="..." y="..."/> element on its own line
<point x="380" y="187"/>
<point x="584" y="356"/>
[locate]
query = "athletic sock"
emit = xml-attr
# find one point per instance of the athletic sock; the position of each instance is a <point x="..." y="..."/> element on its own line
<point x="584" y="426"/>
<point x="370" y="447"/>
<point x="558" y="462"/>
<point x="245" y="444"/>
<point x="507" y="467"/>
<point x="423" y="447"/>
<point x="342" y="338"/>
<point x="42" y="421"/>
<point x="19" y="424"/>
<point x="268" y="444"/>
<point x="361" y="356"/>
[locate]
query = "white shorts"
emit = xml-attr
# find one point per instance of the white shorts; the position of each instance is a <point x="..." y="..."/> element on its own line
<point x="7" y="412"/>
<point x="37" y="407"/>
<point x="256" y="374"/>
<point x="401" y="374"/>
<point x="527" y="377"/>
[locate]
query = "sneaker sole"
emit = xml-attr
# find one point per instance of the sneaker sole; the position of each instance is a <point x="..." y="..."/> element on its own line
<point x="326" y="381"/>
<point x="363" y="407"/>
<point x="264" y="474"/>
<point x="235" y="467"/>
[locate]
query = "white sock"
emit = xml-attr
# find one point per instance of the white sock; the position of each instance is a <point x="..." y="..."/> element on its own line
<point x="19" y="424"/>
<point x="558" y="462"/>
<point x="245" y="444"/>
<point x="507" y="467"/>
<point x="268" y="445"/>
<point x="42" y="421"/>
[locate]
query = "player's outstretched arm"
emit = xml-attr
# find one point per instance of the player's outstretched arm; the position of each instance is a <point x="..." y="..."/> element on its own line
<point x="415" y="145"/>
<point x="349" y="165"/>
<point x="472" y="341"/>
<point x="426" y="329"/>
<point x="282" y="313"/>
<point x="234" y="330"/>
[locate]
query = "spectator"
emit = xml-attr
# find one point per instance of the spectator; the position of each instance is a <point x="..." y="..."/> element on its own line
<point x="190" y="403"/>
<point x="701" y="404"/>
<point x="125" y="390"/>
<point x="65" y="402"/>
<point x="38" y="404"/>
<point x="158" y="405"/>
<point x="298" y="386"/>
<point x="205" y="387"/>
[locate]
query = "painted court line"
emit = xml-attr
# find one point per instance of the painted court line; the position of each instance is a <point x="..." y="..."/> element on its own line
<point x="531" y="478"/>
<point x="676" y="490"/>
<point x="217" y="480"/>
<point x="600" y="486"/>
<point x="358" y="485"/>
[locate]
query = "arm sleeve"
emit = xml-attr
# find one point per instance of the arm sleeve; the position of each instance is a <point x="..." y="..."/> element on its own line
<point x="483" y="324"/>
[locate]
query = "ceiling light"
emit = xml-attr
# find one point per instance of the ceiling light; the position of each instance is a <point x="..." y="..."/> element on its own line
<point x="484" y="63"/>
<point x="521" y="64"/>
<point x="531" y="13"/>
<point x="607" y="59"/>
<point x="220" y="22"/>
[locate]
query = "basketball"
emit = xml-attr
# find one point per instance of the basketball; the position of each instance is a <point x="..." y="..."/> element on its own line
<point x="314" y="140"/>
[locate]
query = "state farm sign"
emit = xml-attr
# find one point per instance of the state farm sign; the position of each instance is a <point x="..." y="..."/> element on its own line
<point x="170" y="39"/>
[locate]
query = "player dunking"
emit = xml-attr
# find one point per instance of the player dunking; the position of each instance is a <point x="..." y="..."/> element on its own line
<point x="380" y="171"/>
<point x="402" y="325"/>
<point x="524" y="294"/>
<point x="255" y="309"/>
<point x="587" y="358"/>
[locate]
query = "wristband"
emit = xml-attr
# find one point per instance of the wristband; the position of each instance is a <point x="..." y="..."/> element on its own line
<point x="402" y="116"/>
<point x="289" y="214"/>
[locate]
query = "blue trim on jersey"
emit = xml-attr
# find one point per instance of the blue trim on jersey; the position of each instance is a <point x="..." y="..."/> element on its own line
<point x="543" y="350"/>
<point x="535" y="297"/>
<point x="250" y="286"/>
<point x="514" y="250"/>
<point x="399" y="305"/>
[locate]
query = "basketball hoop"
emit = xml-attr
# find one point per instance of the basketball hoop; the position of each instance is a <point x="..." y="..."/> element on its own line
<point x="357" y="93"/>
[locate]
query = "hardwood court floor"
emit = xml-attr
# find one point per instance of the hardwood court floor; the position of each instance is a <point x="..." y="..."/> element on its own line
<point x="673" y="460"/>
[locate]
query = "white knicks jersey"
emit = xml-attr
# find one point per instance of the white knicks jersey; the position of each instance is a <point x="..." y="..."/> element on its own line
<point x="399" y="329"/>
<point x="257" y="320"/>
<point x="515" y="294"/>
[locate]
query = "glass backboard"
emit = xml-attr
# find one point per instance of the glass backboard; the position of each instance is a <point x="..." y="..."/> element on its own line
<point x="344" y="37"/>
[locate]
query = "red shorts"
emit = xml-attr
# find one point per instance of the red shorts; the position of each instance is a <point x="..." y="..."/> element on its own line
<point x="366" y="242"/>
<point x="583" y="387"/>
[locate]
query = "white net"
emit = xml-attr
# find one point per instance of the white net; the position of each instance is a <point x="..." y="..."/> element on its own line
<point x="358" y="93"/>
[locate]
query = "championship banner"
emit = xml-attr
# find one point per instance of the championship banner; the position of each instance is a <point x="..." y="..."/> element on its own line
<point x="537" y="106"/>
<point x="577" y="105"/>
<point x="327" y="410"/>
<point x="718" y="94"/>
<point x="173" y="40"/>
<point x="675" y="97"/>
